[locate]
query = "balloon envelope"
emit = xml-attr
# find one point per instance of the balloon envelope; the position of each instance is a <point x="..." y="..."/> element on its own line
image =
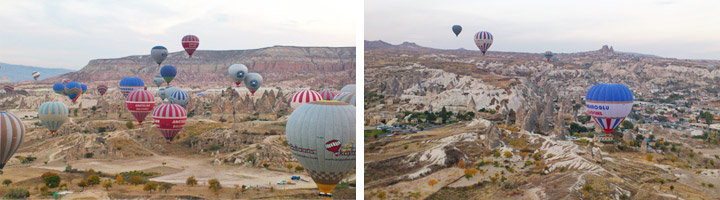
<point x="483" y="40"/>
<point x="59" y="88"/>
<point x="179" y="97"/>
<point x="237" y="73"/>
<point x="83" y="87"/>
<point x="158" y="80"/>
<point x="73" y="90"/>
<point x="304" y="96"/>
<point x="140" y="103"/>
<point x="168" y="73"/>
<point x="548" y="55"/>
<point x="164" y="94"/>
<point x="12" y="132"/>
<point x="169" y="119"/>
<point x="53" y="114"/>
<point x="190" y="43"/>
<point x="608" y="104"/>
<point x="321" y="135"/>
<point x="348" y="88"/>
<point x="456" y="29"/>
<point x="253" y="81"/>
<point x="128" y="84"/>
<point x="159" y="53"/>
<point x="102" y="89"/>
<point x="36" y="75"/>
<point x="346" y="97"/>
<point x="328" y="95"/>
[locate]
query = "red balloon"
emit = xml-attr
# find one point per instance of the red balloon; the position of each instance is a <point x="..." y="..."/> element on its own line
<point x="169" y="119"/>
<point x="140" y="103"/>
<point x="190" y="43"/>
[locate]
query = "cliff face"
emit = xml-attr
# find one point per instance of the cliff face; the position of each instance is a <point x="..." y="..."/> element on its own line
<point x="279" y="65"/>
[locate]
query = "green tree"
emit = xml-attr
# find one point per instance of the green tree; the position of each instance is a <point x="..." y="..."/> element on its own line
<point x="299" y="168"/>
<point x="165" y="187"/>
<point x="7" y="182"/>
<point x="17" y="193"/>
<point x="136" y="180"/>
<point x="289" y="166"/>
<point x="82" y="184"/>
<point x="107" y="185"/>
<point x="150" y="186"/>
<point x="627" y="125"/>
<point x="214" y="185"/>
<point x="68" y="168"/>
<point x="51" y="180"/>
<point x="93" y="180"/>
<point x="191" y="181"/>
<point x="129" y="125"/>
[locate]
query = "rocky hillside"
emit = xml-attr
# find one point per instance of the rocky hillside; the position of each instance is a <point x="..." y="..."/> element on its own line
<point x="279" y="65"/>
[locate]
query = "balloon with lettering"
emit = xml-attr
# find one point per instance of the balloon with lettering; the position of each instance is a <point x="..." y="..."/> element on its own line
<point x="140" y="103"/>
<point x="321" y="135"/>
<point x="608" y="104"/>
<point x="190" y="43"/>
<point x="129" y="84"/>
<point x="169" y="119"/>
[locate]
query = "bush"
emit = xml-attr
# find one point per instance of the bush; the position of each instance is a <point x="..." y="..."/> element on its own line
<point x="7" y="182"/>
<point x="17" y="193"/>
<point x="136" y="180"/>
<point x="299" y="168"/>
<point x="150" y="186"/>
<point x="165" y="187"/>
<point x="68" y="168"/>
<point x="191" y="181"/>
<point x="107" y="185"/>
<point x="51" y="180"/>
<point x="93" y="180"/>
<point x="214" y="185"/>
<point x="89" y="155"/>
<point x="129" y="125"/>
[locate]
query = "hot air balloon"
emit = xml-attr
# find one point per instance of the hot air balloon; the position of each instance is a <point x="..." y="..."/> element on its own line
<point x="456" y="29"/>
<point x="12" y="132"/>
<point x="9" y="88"/>
<point x="347" y="97"/>
<point x="159" y="53"/>
<point x="158" y="80"/>
<point x="102" y="89"/>
<point x="548" y="55"/>
<point x="483" y="40"/>
<point x="140" y="103"/>
<point x="304" y="96"/>
<point x="65" y="81"/>
<point x="59" y="88"/>
<point x="83" y="87"/>
<point x="348" y="88"/>
<point x="608" y="104"/>
<point x="179" y="97"/>
<point x="168" y="73"/>
<point x="321" y="135"/>
<point x="128" y="84"/>
<point x="253" y="81"/>
<point x="36" y="75"/>
<point x="73" y="90"/>
<point x="53" y="114"/>
<point x="169" y="119"/>
<point x="190" y="43"/>
<point x="328" y="95"/>
<point x="201" y="94"/>
<point x="164" y="93"/>
<point x="237" y="72"/>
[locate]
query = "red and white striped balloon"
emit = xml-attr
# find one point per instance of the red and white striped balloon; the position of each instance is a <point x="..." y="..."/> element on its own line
<point x="328" y="95"/>
<point x="190" y="43"/>
<point x="169" y="119"/>
<point x="140" y="103"/>
<point x="304" y="96"/>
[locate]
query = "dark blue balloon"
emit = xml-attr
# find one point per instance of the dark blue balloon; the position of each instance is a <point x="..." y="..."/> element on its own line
<point x="609" y="92"/>
<point x="59" y="88"/>
<point x="456" y="29"/>
<point x="84" y="87"/>
<point x="168" y="72"/>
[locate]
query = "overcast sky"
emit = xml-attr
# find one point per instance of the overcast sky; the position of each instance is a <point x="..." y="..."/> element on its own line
<point x="667" y="28"/>
<point x="67" y="34"/>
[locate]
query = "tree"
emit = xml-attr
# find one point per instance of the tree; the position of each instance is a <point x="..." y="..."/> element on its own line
<point x="119" y="179"/>
<point x="299" y="168"/>
<point x="7" y="182"/>
<point x="107" y="185"/>
<point x="165" y="187"/>
<point x="461" y="164"/>
<point x="508" y="154"/>
<point x="129" y="125"/>
<point x="17" y="193"/>
<point x="51" y="180"/>
<point x="93" y="180"/>
<point x="214" y="185"/>
<point x="672" y="188"/>
<point x="627" y="125"/>
<point x="289" y="166"/>
<point x="432" y="182"/>
<point x="191" y="181"/>
<point x="136" y="180"/>
<point x="68" y="168"/>
<point x="82" y="184"/>
<point x="150" y="186"/>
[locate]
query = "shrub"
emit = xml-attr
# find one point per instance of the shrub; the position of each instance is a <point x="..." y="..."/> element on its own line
<point x="214" y="185"/>
<point x="107" y="185"/>
<point x="68" y="168"/>
<point x="89" y="155"/>
<point x="7" y="182"/>
<point x="508" y="154"/>
<point x="136" y="180"/>
<point x="93" y="180"/>
<point x="165" y="187"/>
<point x="130" y="125"/>
<point x="299" y="168"/>
<point x="432" y="182"/>
<point x="51" y="180"/>
<point x="17" y="193"/>
<point x="150" y="186"/>
<point x="191" y="181"/>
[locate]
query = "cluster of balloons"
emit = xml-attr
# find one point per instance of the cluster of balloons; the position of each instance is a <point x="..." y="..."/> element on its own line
<point x="239" y="73"/>
<point x="321" y="134"/>
<point x="71" y="89"/>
